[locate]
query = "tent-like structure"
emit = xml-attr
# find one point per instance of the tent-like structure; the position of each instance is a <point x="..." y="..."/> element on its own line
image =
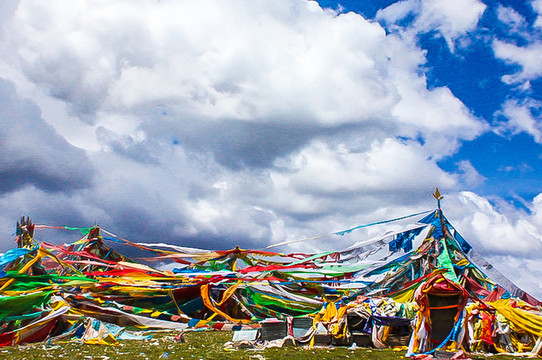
<point x="442" y="295"/>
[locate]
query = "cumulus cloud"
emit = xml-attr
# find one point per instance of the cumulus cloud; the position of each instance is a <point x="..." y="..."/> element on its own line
<point x="493" y="228"/>
<point x="320" y="169"/>
<point x="537" y="6"/>
<point x="522" y="51"/>
<point x="322" y="70"/>
<point x="451" y="19"/>
<point x="524" y="272"/>
<point x="33" y="154"/>
<point x="509" y="238"/>
<point x="512" y="19"/>
<point x="469" y="175"/>
<point x="215" y="124"/>
<point x="520" y="117"/>
<point x="525" y="51"/>
<point x="527" y="57"/>
<point x="441" y="111"/>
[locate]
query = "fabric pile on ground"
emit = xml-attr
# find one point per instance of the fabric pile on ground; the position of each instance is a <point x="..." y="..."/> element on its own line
<point x="441" y="296"/>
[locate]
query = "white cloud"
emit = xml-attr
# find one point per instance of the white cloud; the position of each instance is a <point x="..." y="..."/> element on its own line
<point x="469" y="175"/>
<point x="32" y="152"/>
<point x="520" y="118"/>
<point x="512" y="19"/>
<point x="451" y="18"/>
<point x="125" y="55"/>
<point x="319" y="169"/>
<point x="524" y="52"/>
<point x="528" y="57"/>
<point x="537" y="6"/>
<point x="500" y="231"/>
<point x="215" y="124"/>
<point x="525" y="273"/>
<point x="509" y="238"/>
<point x="520" y="114"/>
<point x="119" y="57"/>
<point x="432" y="112"/>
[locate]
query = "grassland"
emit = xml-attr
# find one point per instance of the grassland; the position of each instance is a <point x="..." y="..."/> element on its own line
<point x="198" y="346"/>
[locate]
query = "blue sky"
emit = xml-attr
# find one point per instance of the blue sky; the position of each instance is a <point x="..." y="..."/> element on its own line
<point x="254" y="122"/>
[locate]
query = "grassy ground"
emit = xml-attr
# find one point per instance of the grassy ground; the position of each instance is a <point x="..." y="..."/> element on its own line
<point x="198" y="345"/>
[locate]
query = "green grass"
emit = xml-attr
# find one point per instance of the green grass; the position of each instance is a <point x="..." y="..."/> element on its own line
<point x="198" y="345"/>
